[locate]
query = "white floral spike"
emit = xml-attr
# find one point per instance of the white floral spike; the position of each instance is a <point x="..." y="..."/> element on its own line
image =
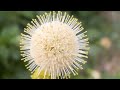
<point x="54" y="46"/>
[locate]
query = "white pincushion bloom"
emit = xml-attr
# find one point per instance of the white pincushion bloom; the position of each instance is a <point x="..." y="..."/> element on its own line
<point x="55" y="45"/>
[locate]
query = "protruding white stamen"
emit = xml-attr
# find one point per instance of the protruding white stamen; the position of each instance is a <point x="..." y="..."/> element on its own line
<point x="54" y="45"/>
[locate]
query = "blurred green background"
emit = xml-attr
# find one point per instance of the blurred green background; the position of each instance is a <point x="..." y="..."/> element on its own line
<point x="104" y="36"/>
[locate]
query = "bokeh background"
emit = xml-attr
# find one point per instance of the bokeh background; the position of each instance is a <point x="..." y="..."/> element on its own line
<point x="104" y="36"/>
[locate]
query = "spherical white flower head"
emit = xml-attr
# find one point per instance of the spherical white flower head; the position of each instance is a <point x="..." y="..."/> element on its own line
<point x="55" y="45"/>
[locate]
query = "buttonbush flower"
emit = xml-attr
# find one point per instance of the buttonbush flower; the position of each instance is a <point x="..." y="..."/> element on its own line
<point x="54" y="46"/>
